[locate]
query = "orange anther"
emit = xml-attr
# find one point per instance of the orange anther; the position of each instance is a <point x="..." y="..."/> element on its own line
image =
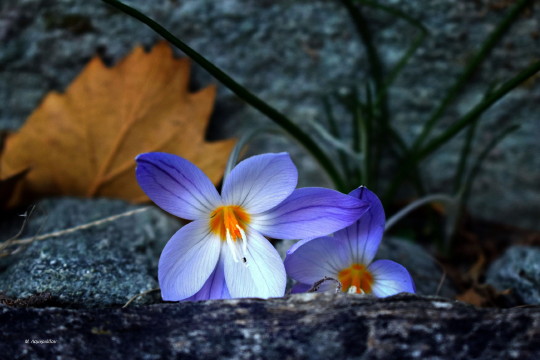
<point x="230" y="218"/>
<point x="356" y="275"/>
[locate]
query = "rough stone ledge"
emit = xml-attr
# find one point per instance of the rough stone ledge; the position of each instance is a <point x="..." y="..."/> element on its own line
<point x="305" y="326"/>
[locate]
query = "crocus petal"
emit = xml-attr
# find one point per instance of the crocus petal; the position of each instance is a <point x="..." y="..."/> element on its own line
<point x="260" y="182"/>
<point x="176" y="185"/>
<point x="364" y="236"/>
<point x="390" y="278"/>
<point x="187" y="261"/>
<point x="215" y="287"/>
<point x="316" y="259"/>
<point x="308" y="213"/>
<point x="263" y="277"/>
<point x="296" y="245"/>
<point x="299" y="288"/>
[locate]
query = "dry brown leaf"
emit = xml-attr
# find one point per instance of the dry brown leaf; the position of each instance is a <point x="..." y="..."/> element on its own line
<point x="8" y="186"/>
<point x="83" y="142"/>
<point x="485" y="295"/>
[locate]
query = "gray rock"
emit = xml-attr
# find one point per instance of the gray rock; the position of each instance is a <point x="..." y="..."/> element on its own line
<point x="293" y="53"/>
<point x="102" y="265"/>
<point x="305" y="326"/>
<point x="518" y="269"/>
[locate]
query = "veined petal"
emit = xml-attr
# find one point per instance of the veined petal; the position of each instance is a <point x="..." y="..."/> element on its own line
<point x="260" y="182"/>
<point x="176" y="185"/>
<point x="215" y="287"/>
<point x="364" y="236"/>
<point x="263" y="277"/>
<point x="187" y="261"/>
<point x="390" y="278"/>
<point x="316" y="259"/>
<point x="299" y="288"/>
<point x="297" y="245"/>
<point x="308" y="213"/>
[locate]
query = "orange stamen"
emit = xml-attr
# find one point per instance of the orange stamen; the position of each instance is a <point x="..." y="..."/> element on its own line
<point x="232" y="218"/>
<point x="356" y="278"/>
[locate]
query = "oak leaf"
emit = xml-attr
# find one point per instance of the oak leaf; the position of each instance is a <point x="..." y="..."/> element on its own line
<point x="83" y="142"/>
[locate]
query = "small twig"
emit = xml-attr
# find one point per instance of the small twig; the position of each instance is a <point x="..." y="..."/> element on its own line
<point x="31" y="239"/>
<point x="138" y="295"/>
<point x="441" y="282"/>
<point x="318" y="284"/>
<point x="27" y="214"/>
<point x="442" y="198"/>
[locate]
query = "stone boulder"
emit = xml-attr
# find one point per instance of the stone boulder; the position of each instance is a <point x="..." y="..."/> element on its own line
<point x="102" y="265"/>
<point x="304" y="326"/>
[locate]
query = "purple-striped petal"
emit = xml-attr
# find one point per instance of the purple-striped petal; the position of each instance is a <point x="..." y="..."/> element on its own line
<point x="176" y="185"/>
<point x="262" y="276"/>
<point x="390" y="278"/>
<point x="215" y="287"/>
<point x="316" y="259"/>
<point x="260" y="182"/>
<point x="299" y="288"/>
<point x="365" y="235"/>
<point x="308" y="213"/>
<point x="187" y="261"/>
<point x="297" y="244"/>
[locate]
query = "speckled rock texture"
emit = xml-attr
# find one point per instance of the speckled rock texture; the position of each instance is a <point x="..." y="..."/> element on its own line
<point x="294" y="53"/>
<point x="102" y="265"/>
<point x="518" y="269"/>
<point x="305" y="326"/>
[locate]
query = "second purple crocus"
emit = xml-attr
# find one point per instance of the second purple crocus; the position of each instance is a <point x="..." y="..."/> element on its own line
<point x="348" y="257"/>
<point x="223" y="251"/>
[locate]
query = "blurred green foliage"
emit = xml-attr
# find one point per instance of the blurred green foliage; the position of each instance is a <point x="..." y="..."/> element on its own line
<point x="371" y="119"/>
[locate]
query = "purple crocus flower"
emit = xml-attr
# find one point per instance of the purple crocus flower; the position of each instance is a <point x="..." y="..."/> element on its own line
<point x="347" y="257"/>
<point x="223" y="252"/>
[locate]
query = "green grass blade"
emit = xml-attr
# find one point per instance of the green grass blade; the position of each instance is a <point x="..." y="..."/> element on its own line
<point x="434" y="198"/>
<point x="365" y="150"/>
<point x="464" y="156"/>
<point x="381" y="94"/>
<point x="471" y="68"/>
<point x="478" y="163"/>
<point x="370" y="147"/>
<point x="279" y="118"/>
<point x="334" y="130"/>
<point x="466" y="149"/>
<point x="242" y="143"/>
<point x="375" y="63"/>
<point x="396" y="70"/>
<point x="396" y="12"/>
<point x="410" y="51"/>
<point x="479" y="109"/>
